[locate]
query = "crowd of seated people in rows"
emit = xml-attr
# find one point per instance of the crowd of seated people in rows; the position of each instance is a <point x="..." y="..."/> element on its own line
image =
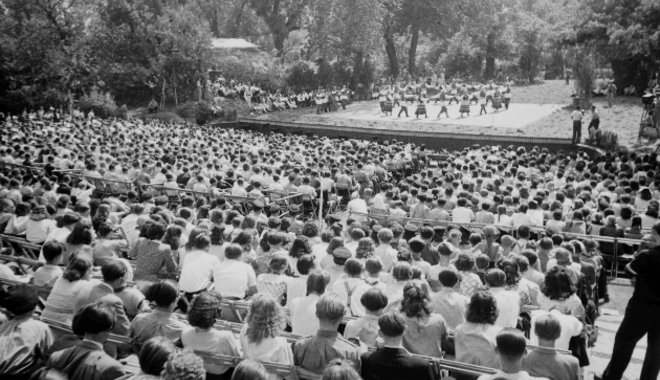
<point x="430" y="285"/>
<point x="264" y="101"/>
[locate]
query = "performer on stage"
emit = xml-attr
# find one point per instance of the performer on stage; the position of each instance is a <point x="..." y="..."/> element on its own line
<point x="453" y="94"/>
<point x="507" y="97"/>
<point x="465" y="105"/>
<point x="482" y="103"/>
<point x="404" y="108"/>
<point x="387" y="106"/>
<point x="497" y="100"/>
<point x="382" y="98"/>
<point x="247" y="94"/>
<point x="443" y="108"/>
<point x="421" y="109"/>
<point x="396" y="97"/>
<point x="343" y="98"/>
<point x="318" y="99"/>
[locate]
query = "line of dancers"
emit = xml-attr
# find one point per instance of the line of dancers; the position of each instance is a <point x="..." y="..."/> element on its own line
<point x="414" y="94"/>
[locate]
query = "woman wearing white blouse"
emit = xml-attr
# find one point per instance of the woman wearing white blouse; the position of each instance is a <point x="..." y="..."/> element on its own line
<point x="303" y="309"/>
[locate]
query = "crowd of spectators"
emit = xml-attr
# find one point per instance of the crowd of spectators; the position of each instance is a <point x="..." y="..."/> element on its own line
<point x="473" y="254"/>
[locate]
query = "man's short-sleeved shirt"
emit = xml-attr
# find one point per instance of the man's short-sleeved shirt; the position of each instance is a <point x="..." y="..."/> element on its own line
<point x="233" y="278"/>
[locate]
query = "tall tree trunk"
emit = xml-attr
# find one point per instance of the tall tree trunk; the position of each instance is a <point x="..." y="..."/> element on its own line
<point x="412" y="53"/>
<point x="215" y="27"/>
<point x="390" y="48"/>
<point x="489" y="71"/>
<point x="236" y="25"/>
<point x="279" y="37"/>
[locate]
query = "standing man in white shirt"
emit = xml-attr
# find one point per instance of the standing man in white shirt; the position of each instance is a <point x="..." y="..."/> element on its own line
<point x="576" y="116"/>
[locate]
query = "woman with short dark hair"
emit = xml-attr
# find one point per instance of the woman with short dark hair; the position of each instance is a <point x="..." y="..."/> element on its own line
<point x="87" y="360"/>
<point x="160" y="322"/>
<point x="152" y="255"/>
<point x="475" y="339"/>
<point x="558" y="292"/>
<point x="201" y="336"/>
<point x="152" y="357"/>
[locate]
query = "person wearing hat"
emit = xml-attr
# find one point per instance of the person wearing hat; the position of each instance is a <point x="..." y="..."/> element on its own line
<point x="339" y="257"/>
<point x="22" y="339"/>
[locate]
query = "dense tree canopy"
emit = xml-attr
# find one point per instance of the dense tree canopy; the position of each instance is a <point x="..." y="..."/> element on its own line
<point x="56" y="51"/>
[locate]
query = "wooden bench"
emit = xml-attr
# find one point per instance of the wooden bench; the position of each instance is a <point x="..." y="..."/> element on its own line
<point x="26" y="265"/>
<point x="20" y="246"/>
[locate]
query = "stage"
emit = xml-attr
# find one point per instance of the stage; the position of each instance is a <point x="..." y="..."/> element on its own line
<point x="514" y="126"/>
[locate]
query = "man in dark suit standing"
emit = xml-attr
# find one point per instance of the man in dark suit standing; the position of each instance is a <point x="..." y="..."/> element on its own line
<point x="392" y="361"/>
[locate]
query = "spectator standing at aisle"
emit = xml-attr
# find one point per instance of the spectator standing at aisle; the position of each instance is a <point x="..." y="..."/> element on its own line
<point x="641" y="315"/>
<point x="576" y="116"/>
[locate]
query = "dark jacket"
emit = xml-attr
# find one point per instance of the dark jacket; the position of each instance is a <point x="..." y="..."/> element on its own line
<point x="390" y="363"/>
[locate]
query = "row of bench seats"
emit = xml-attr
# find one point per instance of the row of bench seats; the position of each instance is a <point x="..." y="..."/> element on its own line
<point x="438" y="364"/>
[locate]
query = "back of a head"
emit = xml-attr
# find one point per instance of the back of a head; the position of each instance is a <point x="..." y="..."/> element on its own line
<point x="233" y="251"/>
<point x="184" y="365"/>
<point x="154" y="354"/>
<point x="402" y="271"/>
<point x="163" y="293"/>
<point x="563" y="256"/>
<point x="392" y="324"/>
<point x="340" y="370"/>
<point x="511" y="344"/>
<point x="374" y="300"/>
<point x="547" y="327"/>
<point x="250" y="370"/>
<point x="113" y="270"/>
<point x="317" y="281"/>
<point x="482" y="261"/>
<point x="448" y="278"/>
<point x="495" y="278"/>
<point x="79" y="265"/>
<point x="204" y="309"/>
<point x="94" y="318"/>
<point x="52" y="250"/>
<point x="330" y="308"/>
<point x="416" y="300"/>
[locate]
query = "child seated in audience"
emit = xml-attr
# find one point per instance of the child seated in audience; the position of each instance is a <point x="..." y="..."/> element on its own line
<point x="49" y="273"/>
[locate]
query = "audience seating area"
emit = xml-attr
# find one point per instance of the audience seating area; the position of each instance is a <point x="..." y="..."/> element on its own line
<point x="126" y="210"/>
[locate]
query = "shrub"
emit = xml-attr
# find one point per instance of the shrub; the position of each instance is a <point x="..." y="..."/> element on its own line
<point x="200" y="112"/>
<point x="102" y="104"/>
<point x="203" y="113"/>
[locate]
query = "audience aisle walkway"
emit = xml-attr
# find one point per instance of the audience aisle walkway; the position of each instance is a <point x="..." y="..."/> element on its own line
<point x="608" y="324"/>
